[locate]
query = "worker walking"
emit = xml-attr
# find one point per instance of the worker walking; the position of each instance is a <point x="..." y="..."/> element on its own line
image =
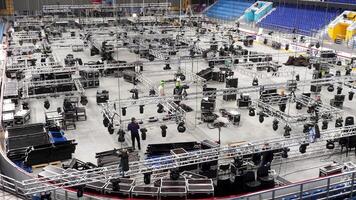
<point x="161" y="88"/>
<point x="134" y="127"/>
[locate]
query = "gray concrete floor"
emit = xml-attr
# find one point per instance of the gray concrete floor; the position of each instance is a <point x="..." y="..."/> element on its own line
<point x="93" y="137"/>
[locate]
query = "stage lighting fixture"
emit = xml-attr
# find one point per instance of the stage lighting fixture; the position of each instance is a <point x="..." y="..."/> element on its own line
<point x="152" y="92"/>
<point x="111" y="129"/>
<point x="275" y="124"/>
<point x="297" y="77"/>
<point x="115" y="184"/>
<point x="255" y="82"/>
<point x="339" y="90"/>
<point x="106" y="121"/>
<point x="303" y="148"/>
<point x="45" y="196"/>
<point x="147" y="178"/>
<point x="287" y="130"/>
<point x="251" y="112"/>
<point x="124" y="161"/>
<point x="80" y="191"/>
<point x="121" y="134"/>
<point x="238" y="162"/>
<point x="330" y="144"/>
<point x="298" y="106"/>
<point x="282" y="107"/>
<point x="285" y="152"/>
<point x="330" y="88"/>
<point x="324" y="125"/>
<point x="164" y="130"/>
<point x="83" y="100"/>
<point x="351" y="95"/>
<point x="46" y="104"/>
<point x="256" y="158"/>
<point x="25" y="106"/>
<point x="261" y="117"/>
<point x="160" y="108"/>
<point x="181" y="128"/>
<point x="142" y="108"/>
<point x="174" y="174"/>
<point x="123" y="111"/>
<point x="143" y="133"/>
<point x="338" y="122"/>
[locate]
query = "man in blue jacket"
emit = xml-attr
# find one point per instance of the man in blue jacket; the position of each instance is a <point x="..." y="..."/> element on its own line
<point x="134" y="127"/>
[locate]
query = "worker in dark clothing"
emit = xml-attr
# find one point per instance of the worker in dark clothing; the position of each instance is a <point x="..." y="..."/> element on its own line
<point x="134" y="127"/>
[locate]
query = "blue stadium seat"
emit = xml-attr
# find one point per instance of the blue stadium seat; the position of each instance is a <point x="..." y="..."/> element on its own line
<point x="228" y="9"/>
<point x="304" y="20"/>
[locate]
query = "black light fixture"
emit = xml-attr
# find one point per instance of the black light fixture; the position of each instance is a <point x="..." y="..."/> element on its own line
<point x="160" y="108"/>
<point x="111" y="129"/>
<point x="339" y="90"/>
<point x="142" y="108"/>
<point x="251" y="112"/>
<point x="45" y="196"/>
<point x="174" y="174"/>
<point x="324" y="125"/>
<point x="351" y="95"/>
<point x="115" y="184"/>
<point x="181" y="128"/>
<point x="147" y="178"/>
<point x="143" y="133"/>
<point x="284" y="153"/>
<point x="287" y="130"/>
<point x="275" y="124"/>
<point x="25" y="105"/>
<point x="152" y="92"/>
<point x="330" y="88"/>
<point x="303" y="148"/>
<point x="338" y="122"/>
<point x="164" y="130"/>
<point x="80" y="191"/>
<point x="298" y="106"/>
<point x="121" y="134"/>
<point x="255" y="82"/>
<point x="124" y="161"/>
<point x="123" y="111"/>
<point x="83" y="100"/>
<point x="46" y="104"/>
<point x="256" y="158"/>
<point x="261" y="117"/>
<point x="282" y="107"/>
<point x="330" y="144"/>
<point x="297" y="77"/>
<point x="106" y="121"/>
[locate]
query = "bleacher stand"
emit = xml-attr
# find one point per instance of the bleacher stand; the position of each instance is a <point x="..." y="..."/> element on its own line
<point x="304" y="20"/>
<point x="228" y="9"/>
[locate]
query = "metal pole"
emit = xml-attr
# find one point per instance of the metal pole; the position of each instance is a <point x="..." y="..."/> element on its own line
<point x="180" y="11"/>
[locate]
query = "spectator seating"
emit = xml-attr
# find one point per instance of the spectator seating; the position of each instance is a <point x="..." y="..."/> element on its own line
<point x="304" y="20"/>
<point x="228" y="9"/>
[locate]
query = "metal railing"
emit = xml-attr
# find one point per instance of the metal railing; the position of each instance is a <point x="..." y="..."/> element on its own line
<point x="341" y="186"/>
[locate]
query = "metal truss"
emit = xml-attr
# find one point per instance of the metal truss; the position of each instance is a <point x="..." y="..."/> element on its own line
<point x="290" y="120"/>
<point x="323" y="109"/>
<point x="227" y="91"/>
<point x="160" y="164"/>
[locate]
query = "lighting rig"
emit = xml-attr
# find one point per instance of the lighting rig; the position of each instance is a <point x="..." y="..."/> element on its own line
<point x="38" y="185"/>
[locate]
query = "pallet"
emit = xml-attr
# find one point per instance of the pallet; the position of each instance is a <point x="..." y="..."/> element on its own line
<point x="56" y="163"/>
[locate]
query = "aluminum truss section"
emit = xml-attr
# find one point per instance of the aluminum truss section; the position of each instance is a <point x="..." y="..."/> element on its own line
<point x="287" y="119"/>
<point x="323" y="109"/>
<point x="37" y="185"/>
<point x="227" y="91"/>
